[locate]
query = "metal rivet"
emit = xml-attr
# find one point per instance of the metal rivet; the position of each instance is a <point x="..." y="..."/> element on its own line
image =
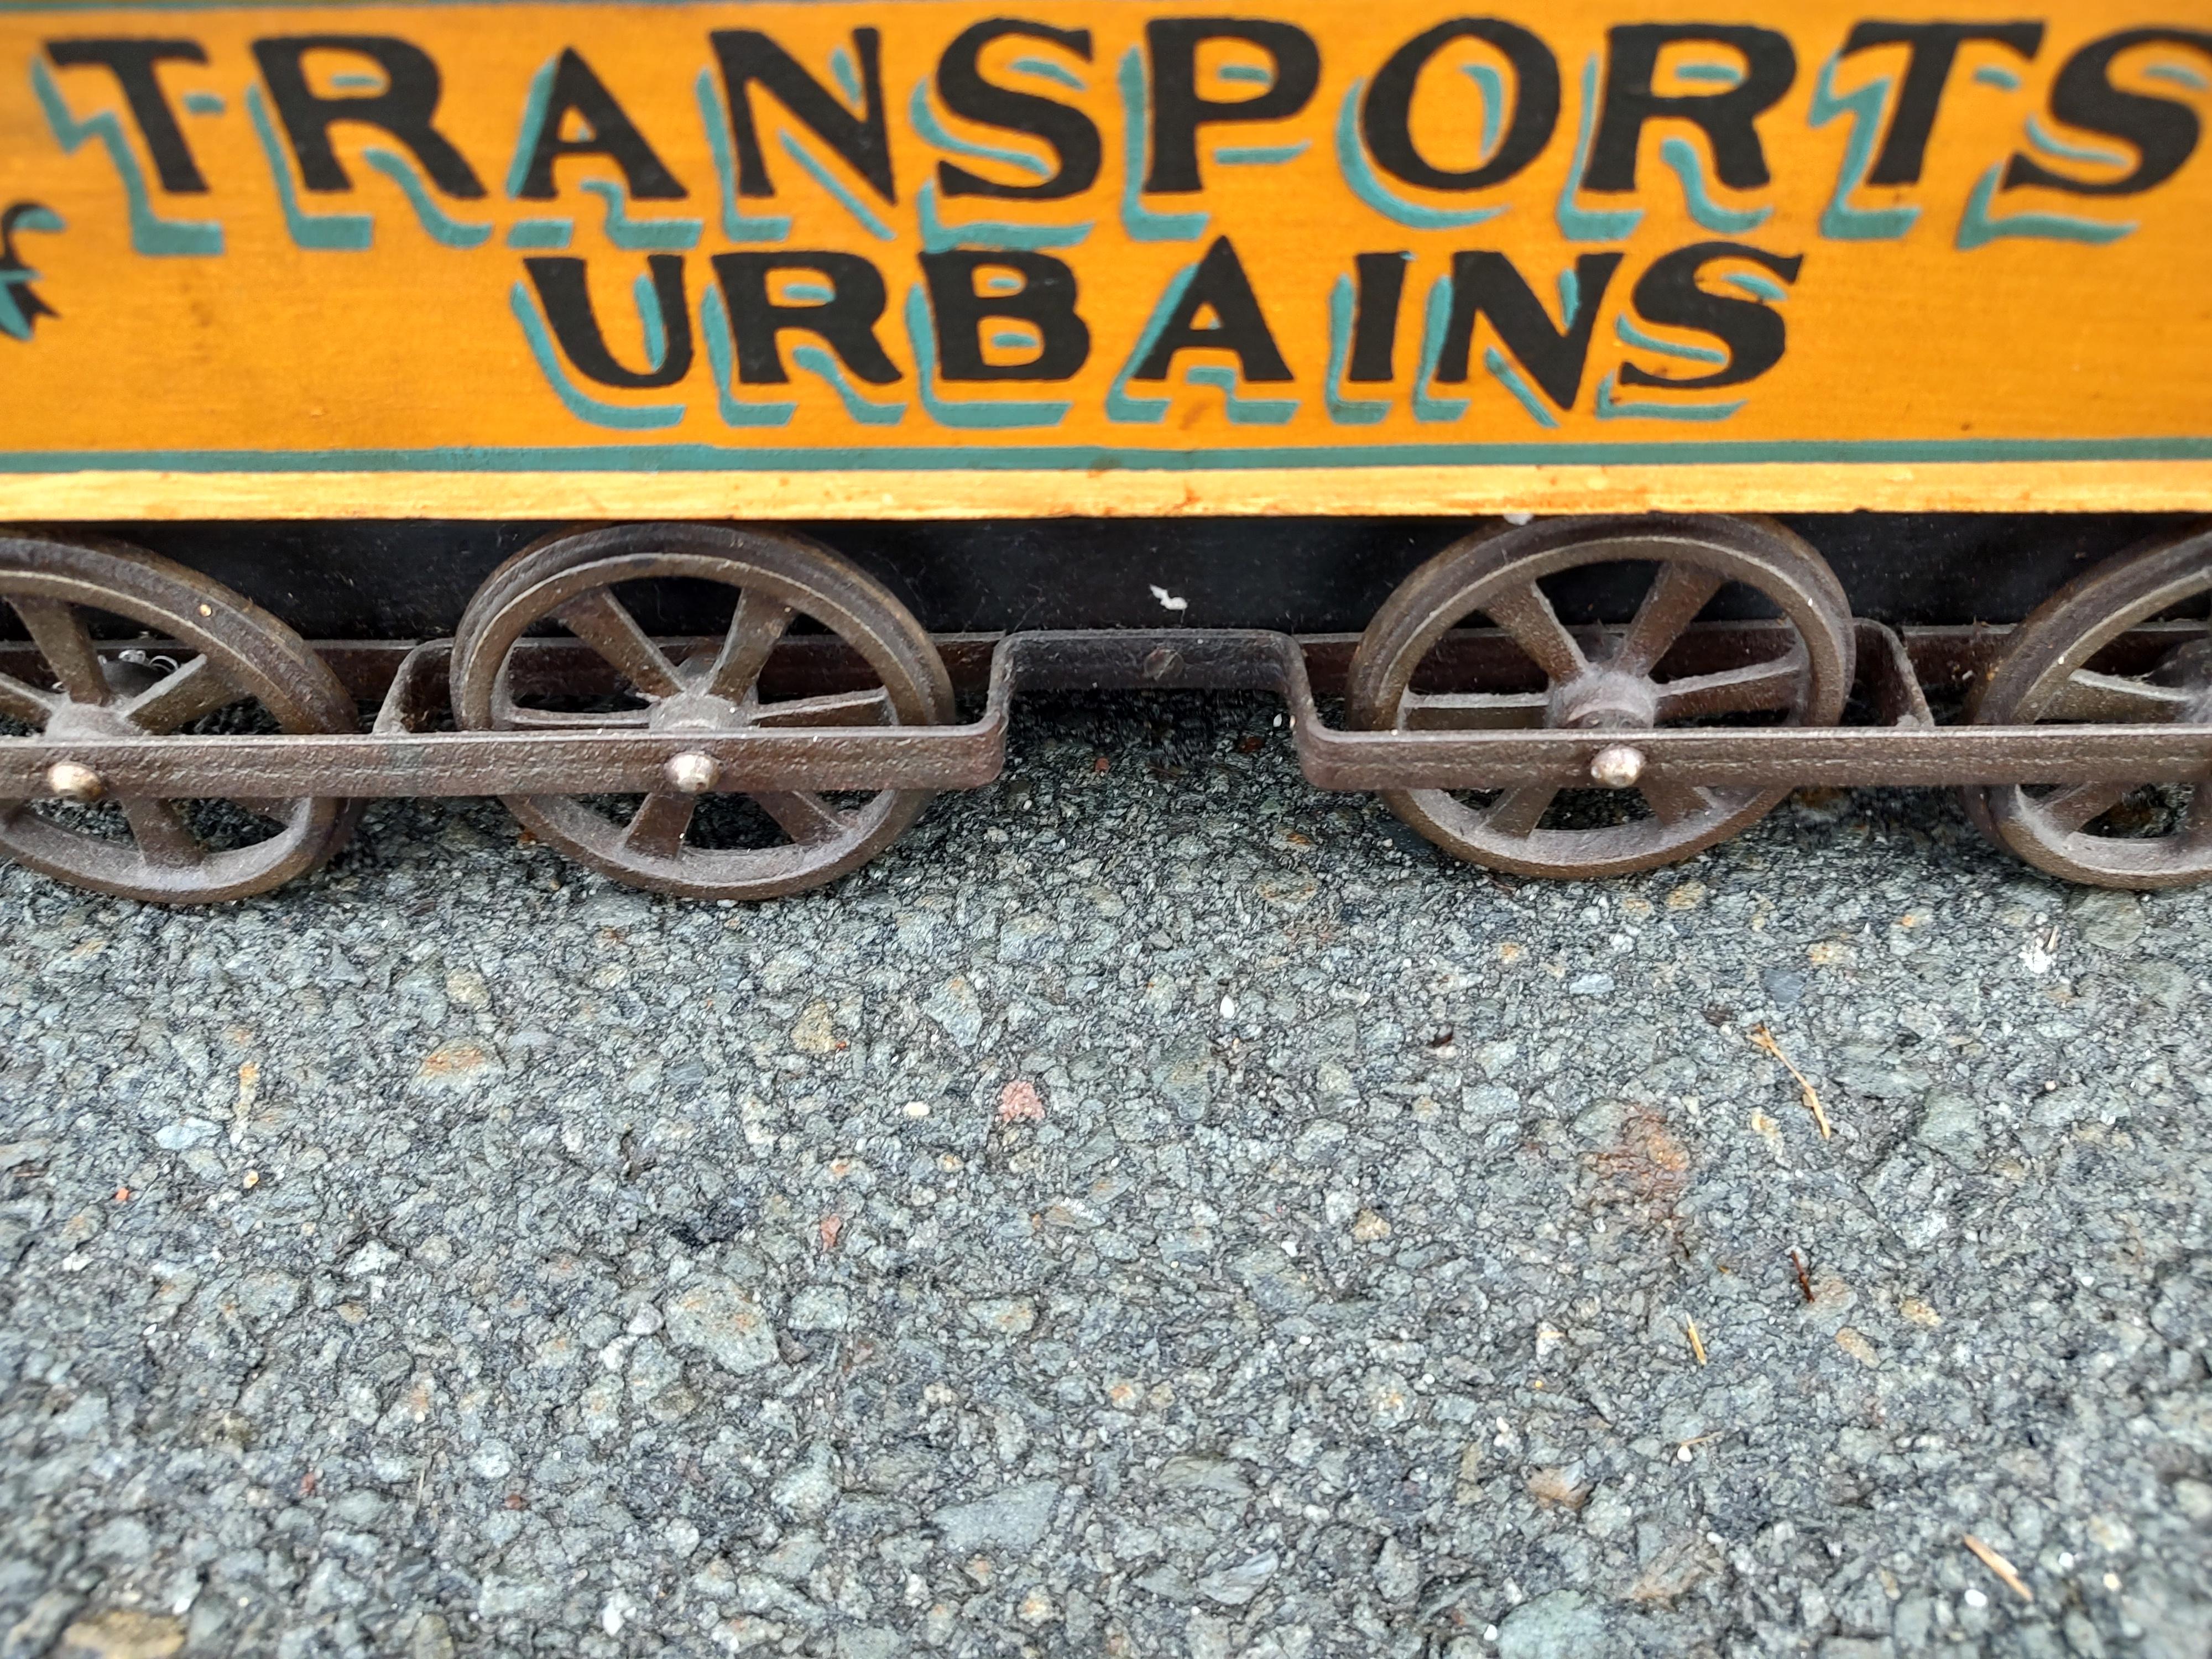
<point x="1617" y="766"/>
<point x="692" y="774"/>
<point x="74" y="782"/>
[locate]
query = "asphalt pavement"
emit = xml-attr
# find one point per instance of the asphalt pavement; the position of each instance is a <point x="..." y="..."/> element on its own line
<point x="1156" y="1209"/>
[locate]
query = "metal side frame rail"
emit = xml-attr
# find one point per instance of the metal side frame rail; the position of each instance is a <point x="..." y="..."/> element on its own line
<point x="400" y="756"/>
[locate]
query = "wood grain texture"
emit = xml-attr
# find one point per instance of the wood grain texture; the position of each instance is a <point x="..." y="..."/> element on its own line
<point x="2039" y="487"/>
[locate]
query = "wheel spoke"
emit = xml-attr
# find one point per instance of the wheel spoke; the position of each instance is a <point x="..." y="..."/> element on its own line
<point x="1674" y="802"/>
<point x="160" y="830"/>
<point x="869" y="708"/>
<point x="515" y="717"/>
<point x="182" y="695"/>
<point x="2114" y="699"/>
<point x="755" y="626"/>
<point x="2078" y="804"/>
<point x="58" y="631"/>
<point x="1526" y="613"/>
<point x="603" y="623"/>
<point x="805" y="818"/>
<point x="1518" y="811"/>
<point x="1761" y="685"/>
<point x="657" y="829"/>
<point x="24" y="702"/>
<point x="1473" y="711"/>
<point x="1678" y="594"/>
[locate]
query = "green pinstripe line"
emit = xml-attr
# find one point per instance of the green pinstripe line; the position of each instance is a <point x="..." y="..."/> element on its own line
<point x="708" y="458"/>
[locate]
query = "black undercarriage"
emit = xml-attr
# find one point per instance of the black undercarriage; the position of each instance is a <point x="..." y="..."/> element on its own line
<point x="411" y="580"/>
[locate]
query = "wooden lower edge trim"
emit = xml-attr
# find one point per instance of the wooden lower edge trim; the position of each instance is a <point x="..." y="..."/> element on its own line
<point x="2003" y="487"/>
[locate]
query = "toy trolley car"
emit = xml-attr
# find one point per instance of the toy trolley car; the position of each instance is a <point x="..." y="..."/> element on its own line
<point x="1614" y="414"/>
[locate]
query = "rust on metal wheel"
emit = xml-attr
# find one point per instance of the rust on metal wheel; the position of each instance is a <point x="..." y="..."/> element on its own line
<point x="2057" y="671"/>
<point x="685" y="838"/>
<point x="1626" y="678"/>
<point x="217" y="655"/>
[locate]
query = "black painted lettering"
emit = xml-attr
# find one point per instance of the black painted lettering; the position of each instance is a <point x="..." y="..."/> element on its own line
<point x="135" y="66"/>
<point x="1219" y="287"/>
<point x="2162" y="131"/>
<point x="402" y="110"/>
<point x="1045" y="301"/>
<point x="1072" y="136"/>
<point x="1386" y="118"/>
<point x="608" y="131"/>
<point x="1487" y="284"/>
<point x="1754" y="333"/>
<point x="567" y="297"/>
<point x="1381" y="283"/>
<point x="845" y="322"/>
<point x="748" y="58"/>
<point x="1932" y="52"/>
<point x="1728" y="118"/>
<point x="1178" y="111"/>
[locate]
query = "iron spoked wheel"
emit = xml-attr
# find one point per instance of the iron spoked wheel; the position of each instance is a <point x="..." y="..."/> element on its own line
<point x="701" y="846"/>
<point x="1608" y="680"/>
<point x="226" y="663"/>
<point x="2055" y="670"/>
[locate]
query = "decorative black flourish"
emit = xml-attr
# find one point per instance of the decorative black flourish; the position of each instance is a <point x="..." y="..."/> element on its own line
<point x="20" y="304"/>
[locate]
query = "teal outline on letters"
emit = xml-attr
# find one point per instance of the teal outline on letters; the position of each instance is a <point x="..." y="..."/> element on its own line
<point x="738" y="225"/>
<point x="13" y="321"/>
<point x="1608" y="409"/>
<point x="714" y="328"/>
<point x="938" y="237"/>
<point x="1346" y="411"/>
<point x="150" y="234"/>
<point x="640" y="235"/>
<point x="1147" y="411"/>
<point x="1241" y="410"/>
<point x="1436" y="317"/>
<point x="1688" y="165"/>
<point x="2051" y="145"/>
<point x="1140" y="221"/>
<point x="1839" y="221"/>
<point x="333" y="233"/>
<point x="580" y="403"/>
<point x="1048" y="70"/>
<point x="443" y="228"/>
<point x="845" y="199"/>
<point x="1978" y="227"/>
<point x="978" y="416"/>
<point x="1577" y="223"/>
<point x="1359" y="173"/>
<point x="540" y="232"/>
<point x="533" y="122"/>
<point x="933" y="131"/>
<point x="1630" y="334"/>
<point x="1509" y="376"/>
<point x="815" y="360"/>
<point x="1260" y="155"/>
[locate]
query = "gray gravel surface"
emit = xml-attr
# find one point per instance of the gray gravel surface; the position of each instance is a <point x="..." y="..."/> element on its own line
<point x="1157" y="1210"/>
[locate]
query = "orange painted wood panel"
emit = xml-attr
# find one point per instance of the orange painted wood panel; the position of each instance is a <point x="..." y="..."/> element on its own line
<point x="936" y="258"/>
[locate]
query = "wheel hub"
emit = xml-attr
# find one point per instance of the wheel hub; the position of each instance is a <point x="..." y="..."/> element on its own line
<point x="2189" y="668"/>
<point x="77" y="722"/>
<point x="696" y="711"/>
<point x="1604" y="700"/>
